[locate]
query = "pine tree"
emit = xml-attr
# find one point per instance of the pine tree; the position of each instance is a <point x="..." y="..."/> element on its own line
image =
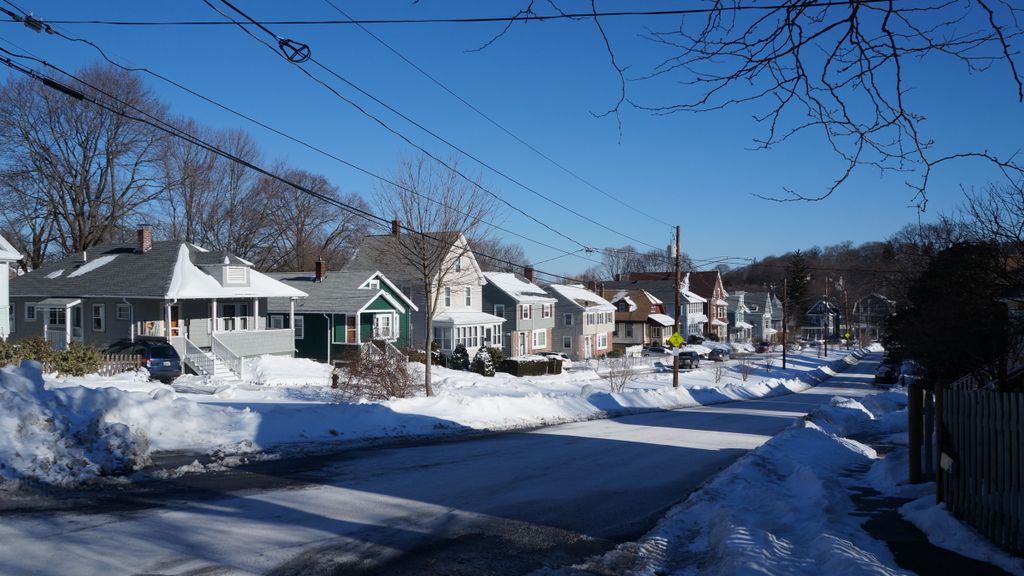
<point x="483" y="363"/>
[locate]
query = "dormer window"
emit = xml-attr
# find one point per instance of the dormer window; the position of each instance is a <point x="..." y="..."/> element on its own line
<point x="373" y="284"/>
<point x="236" y="275"/>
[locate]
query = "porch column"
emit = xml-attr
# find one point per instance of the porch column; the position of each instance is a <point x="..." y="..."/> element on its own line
<point x="67" y="326"/>
<point x="46" y="321"/>
<point x="291" y="314"/>
<point x="256" y="313"/>
<point x="213" y="315"/>
<point x="167" y="321"/>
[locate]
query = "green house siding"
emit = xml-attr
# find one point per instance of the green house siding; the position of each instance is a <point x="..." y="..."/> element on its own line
<point x="323" y="335"/>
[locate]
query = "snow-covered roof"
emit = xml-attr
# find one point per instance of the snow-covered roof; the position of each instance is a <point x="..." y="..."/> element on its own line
<point x="744" y="325"/>
<point x="652" y="298"/>
<point x="717" y="322"/>
<point x="7" y="252"/>
<point x="582" y="297"/>
<point x="624" y="296"/>
<point x="720" y="302"/>
<point x="691" y="297"/>
<point x="469" y="317"/>
<point x="188" y="281"/>
<point x="518" y="289"/>
<point x="663" y="319"/>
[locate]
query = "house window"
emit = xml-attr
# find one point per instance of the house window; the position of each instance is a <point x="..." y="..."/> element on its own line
<point x="545" y="310"/>
<point x="629" y="330"/>
<point x="373" y="284"/>
<point x="567" y="319"/>
<point x="30" y="311"/>
<point x="499" y="310"/>
<point x="99" y="317"/>
<point x="458" y="264"/>
<point x="384" y="326"/>
<point x="567" y="342"/>
<point x="447" y="296"/>
<point x="58" y="316"/>
<point x="589" y="318"/>
<point x="276" y="322"/>
<point x="469" y="295"/>
<point x="300" y="327"/>
<point x="123" y="312"/>
<point x="602" y="341"/>
<point x="540" y="338"/>
<point x="443" y="337"/>
<point x="524" y="311"/>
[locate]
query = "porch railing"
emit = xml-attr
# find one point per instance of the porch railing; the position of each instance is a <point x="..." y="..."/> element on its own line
<point x="233" y="361"/>
<point x="200" y="360"/>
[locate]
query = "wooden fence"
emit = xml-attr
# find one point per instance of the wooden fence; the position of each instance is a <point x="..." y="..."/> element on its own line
<point x="981" y="462"/>
<point x="118" y="363"/>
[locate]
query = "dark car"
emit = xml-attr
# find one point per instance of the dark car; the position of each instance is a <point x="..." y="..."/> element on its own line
<point x="887" y="374"/>
<point x="763" y="347"/>
<point x="689" y="359"/>
<point x="718" y="354"/>
<point x="159" y="357"/>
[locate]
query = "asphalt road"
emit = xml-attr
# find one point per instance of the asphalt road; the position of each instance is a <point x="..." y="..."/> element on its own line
<point x="501" y="504"/>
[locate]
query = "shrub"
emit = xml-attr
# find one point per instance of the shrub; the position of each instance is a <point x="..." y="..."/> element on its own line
<point x="8" y="354"/>
<point x="497" y="354"/>
<point x="483" y="364"/>
<point x="416" y="355"/>
<point x="621" y="371"/>
<point x="374" y="375"/>
<point x="532" y="367"/>
<point x="615" y="353"/>
<point x="459" y="359"/>
<point x="38" y="349"/>
<point x="78" y="360"/>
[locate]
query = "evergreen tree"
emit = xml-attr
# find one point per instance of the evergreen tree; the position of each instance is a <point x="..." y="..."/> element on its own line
<point x="483" y="363"/>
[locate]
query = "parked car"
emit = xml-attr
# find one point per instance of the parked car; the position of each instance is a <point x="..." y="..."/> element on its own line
<point x="159" y="357"/>
<point x="718" y="355"/>
<point x="762" y="347"/>
<point x="566" y="361"/>
<point x="689" y="359"/>
<point x="887" y="374"/>
<point x="655" y="351"/>
<point x="694" y="339"/>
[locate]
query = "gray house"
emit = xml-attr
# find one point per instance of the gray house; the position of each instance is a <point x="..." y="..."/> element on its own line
<point x="584" y="322"/>
<point x="212" y="307"/>
<point x="528" y="310"/>
<point x="761" y="315"/>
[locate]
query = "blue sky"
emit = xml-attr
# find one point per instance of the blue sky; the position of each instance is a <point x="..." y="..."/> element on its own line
<point x="542" y="81"/>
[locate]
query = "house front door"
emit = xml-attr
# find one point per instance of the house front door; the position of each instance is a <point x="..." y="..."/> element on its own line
<point x="350" y="329"/>
<point x="76" y="323"/>
<point x="587" y="345"/>
<point x="522" y="343"/>
<point x="176" y="320"/>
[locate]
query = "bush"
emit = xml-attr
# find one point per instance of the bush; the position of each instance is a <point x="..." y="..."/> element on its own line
<point x="38" y="349"/>
<point x="459" y="359"/>
<point x="497" y="354"/>
<point x="615" y="353"/>
<point x="8" y="354"/>
<point x="374" y="375"/>
<point x="416" y="355"/>
<point x="78" y="360"/>
<point x="483" y="364"/>
<point x="532" y="367"/>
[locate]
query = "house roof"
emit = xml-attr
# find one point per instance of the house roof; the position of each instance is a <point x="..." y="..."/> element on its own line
<point x="518" y="288"/>
<point x="703" y="283"/>
<point x="339" y="292"/>
<point x="641" y="305"/>
<point x="381" y="252"/>
<point x="168" y="270"/>
<point x="7" y="252"/>
<point x="466" y="318"/>
<point x="662" y="319"/>
<point x="582" y="297"/>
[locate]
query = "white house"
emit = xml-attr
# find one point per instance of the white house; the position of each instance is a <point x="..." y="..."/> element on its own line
<point x="8" y="255"/>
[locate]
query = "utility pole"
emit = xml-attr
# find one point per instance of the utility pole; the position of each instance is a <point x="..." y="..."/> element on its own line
<point x="785" y="305"/>
<point x="675" y="358"/>
<point x="824" y="339"/>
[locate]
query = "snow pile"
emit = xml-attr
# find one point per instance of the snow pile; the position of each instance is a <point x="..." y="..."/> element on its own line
<point x="73" y="434"/>
<point x="268" y="370"/>
<point x="50" y="437"/>
<point x="945" y="531"/>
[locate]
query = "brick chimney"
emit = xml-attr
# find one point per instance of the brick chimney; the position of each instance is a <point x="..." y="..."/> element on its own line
<point x="145" y="235"/>
<point x="321" y="269"/>
<point x="396" y="227"/>
<point x="528" y="273"/>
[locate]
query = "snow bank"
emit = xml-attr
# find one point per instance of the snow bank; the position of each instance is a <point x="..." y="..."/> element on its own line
<point x="269" y="370"/>
<point x="74" y="434"/>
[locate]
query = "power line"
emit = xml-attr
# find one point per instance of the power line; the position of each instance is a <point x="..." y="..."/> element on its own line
<point x="492" y="120"/>
<point x="440" y="138"/>
<point x="159" y="124"/>
<point x="477" y="20"/>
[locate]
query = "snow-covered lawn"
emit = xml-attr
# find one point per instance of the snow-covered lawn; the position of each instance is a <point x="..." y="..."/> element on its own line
<point x="65" y="431"/>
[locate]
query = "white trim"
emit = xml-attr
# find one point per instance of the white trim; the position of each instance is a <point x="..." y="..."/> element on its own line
<point x="102" y="317"/>
<point x="380" y="276"/>
<point x="299" y="335"/>
<point x="35" y="311"/>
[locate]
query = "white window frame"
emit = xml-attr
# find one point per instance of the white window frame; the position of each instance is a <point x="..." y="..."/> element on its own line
<point x="540" y="338"/>
<point x="458" y="263"/>
<point x="373" y="284"/>
<point x="447" y="296"/>
<point x="12" y="314"/>
<point x="567" y="319"/>
<point x="392" y="325"/>
<point x="102" y="317"/>
<point x="300" y="327"/>
<point x="31" y="307"/>
<point x="602" y="341"/>
<point x="525" y="311"/>
<point x="545" y="310"/>
<point x="121" y="306"/>
<point x="499" y="310"/>
<point x="567" y="342"/>
<point x="54" y="315"/>
<point x="468" y="292"/>
<point x="277" y="321"/>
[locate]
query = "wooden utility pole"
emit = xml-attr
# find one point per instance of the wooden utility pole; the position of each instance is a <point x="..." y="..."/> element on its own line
<point x="785" y="304"/>
<point x="675" y="358"/>
<point x="824" y="336"/>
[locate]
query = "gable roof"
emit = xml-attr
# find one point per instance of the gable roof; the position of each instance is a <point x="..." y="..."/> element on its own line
<point x="581" y="297"/>
<point x="378" y="252"/>
<point x="703" y="283"/>
<point x="642" y="305"/>
<point x="7" y="251"/>
<point x="518" y="288"/>
<point x="339" y="292"/>
<point x="168" y="270"/>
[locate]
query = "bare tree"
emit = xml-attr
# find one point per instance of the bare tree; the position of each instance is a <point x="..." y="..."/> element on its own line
<point x="997" y="215"/>
<point x="439" y="209"/>
<point x="841" y="69"/>
<point x="493" y="255"/>
<point x="90" y="168"/>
